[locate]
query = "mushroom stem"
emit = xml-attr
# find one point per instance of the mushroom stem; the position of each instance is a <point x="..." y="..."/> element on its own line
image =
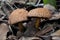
<point x="37" y="23"/>
<point x="20" y="27"/>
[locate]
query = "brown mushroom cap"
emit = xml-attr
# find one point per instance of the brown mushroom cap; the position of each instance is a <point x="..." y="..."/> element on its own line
<point x="40" y="12"/>
<point x="18" y="15"/>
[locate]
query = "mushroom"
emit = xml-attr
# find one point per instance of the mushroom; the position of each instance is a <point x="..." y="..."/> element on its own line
<point x="18" y="16"/>
<point x="39" y="13"/>
<point x="56" y="35"/>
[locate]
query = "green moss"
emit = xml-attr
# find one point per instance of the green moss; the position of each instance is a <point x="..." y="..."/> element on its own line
<point x="52" y="2"/>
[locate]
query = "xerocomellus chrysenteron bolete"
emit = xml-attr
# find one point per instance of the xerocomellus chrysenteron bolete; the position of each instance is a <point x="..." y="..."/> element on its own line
<point x="39" y="13"/>
<point x="17" y="16"/>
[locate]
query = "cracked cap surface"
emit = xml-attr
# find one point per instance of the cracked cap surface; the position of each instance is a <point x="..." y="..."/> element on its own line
<point x="40" y="12"/>
<point x="18" y="15"/>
